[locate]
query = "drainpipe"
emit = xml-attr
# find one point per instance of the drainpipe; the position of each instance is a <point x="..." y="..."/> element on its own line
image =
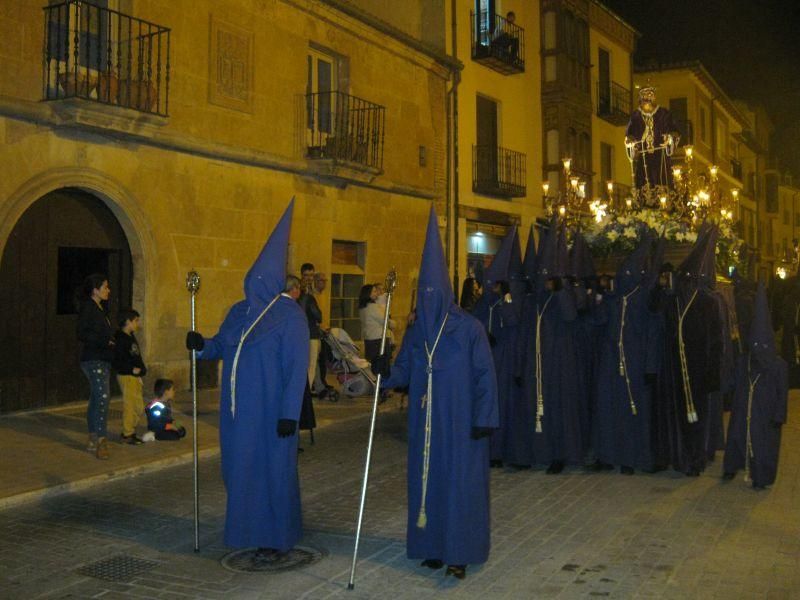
<point x="454" y="92"/>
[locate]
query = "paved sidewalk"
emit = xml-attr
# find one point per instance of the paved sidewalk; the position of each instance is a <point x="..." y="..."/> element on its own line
<point x="575" y="535"/>
<point x="43" y="452"/>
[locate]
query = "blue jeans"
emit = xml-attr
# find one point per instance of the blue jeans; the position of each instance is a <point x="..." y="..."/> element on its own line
<point x="98" y="373"/>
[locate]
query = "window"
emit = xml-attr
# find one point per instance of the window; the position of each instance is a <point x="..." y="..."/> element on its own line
<point x="606" y="165"/>
<point x="320" y="81"/>
<point x="604" y="81"/>
<point x="722" y="140"/>
<point x="550" y="68"/>
<point x="550" y="38"/>
<point x="786" y="217"/>
<point x="90" y="22"/>
<point x="703" y="128"/>
<point x="553" y="155"/>
<point x="585" y="152"/>
<point x="349" y="253"/>
<point x="772" y="193"/>
<point x="344" y="302"/>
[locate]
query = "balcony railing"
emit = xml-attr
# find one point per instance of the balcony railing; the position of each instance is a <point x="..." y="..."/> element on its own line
<point x="498" y="172"/>
<point x="102" y="55"/>
<point x="613" y="103"/>
<point x="345" y="128"/>
<point x="497" y="43"/>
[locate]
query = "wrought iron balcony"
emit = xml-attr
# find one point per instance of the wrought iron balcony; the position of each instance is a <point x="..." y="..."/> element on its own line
<point x="497" y="43"/>
<point x="345" y="128"/>
<point x="498" y="172"/>
<point x="613" y="103"/>
<point x="103" y="55"/>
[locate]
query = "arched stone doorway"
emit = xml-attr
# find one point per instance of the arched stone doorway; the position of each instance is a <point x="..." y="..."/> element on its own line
<point x="63" y="236"/>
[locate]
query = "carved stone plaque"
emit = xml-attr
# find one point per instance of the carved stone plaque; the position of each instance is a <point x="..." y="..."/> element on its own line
<point x="230" y="66"/>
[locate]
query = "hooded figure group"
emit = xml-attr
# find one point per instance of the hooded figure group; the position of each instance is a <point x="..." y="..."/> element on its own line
<point x="263" y="344"/>
<point x="446" y="362"/>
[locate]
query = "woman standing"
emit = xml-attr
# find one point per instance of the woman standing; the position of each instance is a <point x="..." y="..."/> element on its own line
<point x="372" y="314"/>
<point x="97" y="336"/>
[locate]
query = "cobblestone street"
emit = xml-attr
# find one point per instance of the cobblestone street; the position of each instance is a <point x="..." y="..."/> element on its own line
<point x="569" y="536"/>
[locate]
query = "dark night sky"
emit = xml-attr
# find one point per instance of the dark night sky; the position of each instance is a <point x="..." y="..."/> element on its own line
<point x="751" y="47"/>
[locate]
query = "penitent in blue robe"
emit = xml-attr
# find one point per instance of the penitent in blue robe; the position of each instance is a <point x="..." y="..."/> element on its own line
<point x="561" y="438"/>
<point x="259" y="469"/>
<point x="758" y="418"/>
<point x="464" y="396"/>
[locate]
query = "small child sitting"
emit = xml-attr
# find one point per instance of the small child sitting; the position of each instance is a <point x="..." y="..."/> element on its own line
<point x="159" y="413"/>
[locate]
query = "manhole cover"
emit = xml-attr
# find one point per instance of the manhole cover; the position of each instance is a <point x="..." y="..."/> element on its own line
<point x="252" y="561"/>
<point x="117" y="568"/>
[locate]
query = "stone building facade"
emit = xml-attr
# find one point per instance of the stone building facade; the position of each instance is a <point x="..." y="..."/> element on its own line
<point x="151" y="137"/>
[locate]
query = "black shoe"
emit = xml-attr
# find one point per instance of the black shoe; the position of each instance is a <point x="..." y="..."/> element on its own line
<point x="432" y="563"/>
<point x="759" y="487"/>
<point x="599" y="465"/>
<point x="457" y="571"/>
<point x="693" y="473"/>
<point x="495" y="464"/>
<point x="132" y="439"/>
<point x="727" y="476"/>
<point x="626" y="470"/>
<point x="555" y="467"/>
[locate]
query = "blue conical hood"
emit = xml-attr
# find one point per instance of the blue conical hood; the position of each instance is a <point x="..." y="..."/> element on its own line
<point x="434" y="291"/>
<point x="500" y="268"/>
<point x="562" y="254"/>
<point x="581" y="265"/>
<point x="708" y="271"/>
<point x="515" y="271"/>
<point x="547" y="256"/>
<point x="762" y="337"/>
<point x="632" y="270"/>
<point x="529" y="262"/>
<point x="267" y="277"/>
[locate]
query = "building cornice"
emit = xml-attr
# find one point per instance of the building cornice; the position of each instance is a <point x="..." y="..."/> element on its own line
<point x="97" y="119"/>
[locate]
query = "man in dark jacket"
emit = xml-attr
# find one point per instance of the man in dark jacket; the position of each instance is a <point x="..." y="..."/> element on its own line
<point x="130" y="369"/>
<point x="314" y="315"/>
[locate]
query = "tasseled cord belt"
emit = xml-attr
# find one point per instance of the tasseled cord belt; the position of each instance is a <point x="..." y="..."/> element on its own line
<point x="539" y="390"/>
<point x="427" y="402"/>
<point x="691" y="412"/>
<point x="623" y="364"/>
<point x="748" y="454"/>
<point x="245" y="333"/>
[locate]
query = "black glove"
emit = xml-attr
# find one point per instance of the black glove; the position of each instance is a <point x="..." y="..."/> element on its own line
<point x="650" y="378"/>
<point x="194" y="341"/>
<point x="776" y="424"/>
<point x="381" y="365"/>
<point x="518" y="380"/>
<point x="481" y="432"/>
<point x="492" y="340"/>
<point x="286" y="427"/>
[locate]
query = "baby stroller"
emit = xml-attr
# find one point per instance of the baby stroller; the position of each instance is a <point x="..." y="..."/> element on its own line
<point x="352" y="371"/>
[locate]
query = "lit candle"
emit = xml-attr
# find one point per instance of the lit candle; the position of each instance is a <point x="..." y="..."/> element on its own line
<point x="562" y="210"/>
<point x="573" y="181"/>
<point x="610" y="186"/>
<point x="663" y="200"/>
<point x="545" y="188"/>
<point x="714" y="169"/>
<point x="689" y="151"/>
<point x="567" y="162"/>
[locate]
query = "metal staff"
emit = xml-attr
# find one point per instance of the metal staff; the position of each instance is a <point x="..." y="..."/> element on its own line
<point x="193" y="285"/>
<point x="391" y="282"/>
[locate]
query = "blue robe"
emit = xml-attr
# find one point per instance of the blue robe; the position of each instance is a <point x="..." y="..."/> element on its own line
<point x="259" y="468"/>
<point x="464" y="396"/>
<point x="500" y="319"/>
<point x="767" y="414"/>
<point x="560" y="438"/>
<point x="621" y="437"/>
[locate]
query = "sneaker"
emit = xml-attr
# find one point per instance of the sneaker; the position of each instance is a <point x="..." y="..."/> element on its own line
<point x="131" y="439"/>
<point x="102" y="449"/>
